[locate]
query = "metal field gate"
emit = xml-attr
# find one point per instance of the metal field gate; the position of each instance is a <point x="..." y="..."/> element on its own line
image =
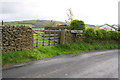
<point x="45" y="37"/>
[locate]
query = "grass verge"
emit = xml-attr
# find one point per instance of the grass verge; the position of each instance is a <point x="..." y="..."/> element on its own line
<point x="50" y="51"/>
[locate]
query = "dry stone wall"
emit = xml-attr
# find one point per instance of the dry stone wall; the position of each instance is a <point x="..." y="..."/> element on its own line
<point x="67" y="37"/>
<point x="16" y="38"/>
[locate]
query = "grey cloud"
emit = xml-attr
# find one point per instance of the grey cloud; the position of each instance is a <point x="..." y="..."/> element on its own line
<point x="9" y="7"/>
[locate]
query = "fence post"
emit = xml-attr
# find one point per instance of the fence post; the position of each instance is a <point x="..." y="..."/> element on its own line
<point x="62" y="36"/>
<point x="43" y="37"/>
<point x="49" y="37"/>
<point x="54" y="37"/>
<point x="37" y="41"/>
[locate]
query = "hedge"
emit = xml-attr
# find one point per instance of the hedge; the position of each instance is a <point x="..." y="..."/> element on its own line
<point x="100" y="34"/>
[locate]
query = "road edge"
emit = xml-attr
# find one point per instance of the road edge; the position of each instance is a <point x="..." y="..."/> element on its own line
<point x="31" y="62"/>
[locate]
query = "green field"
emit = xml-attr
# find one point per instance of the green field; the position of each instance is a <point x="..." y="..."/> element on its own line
<point x="16" y="24"/>
<point x="46" y="41"/>
<point x="39" y="23"/>
<point x="35" y="37"/>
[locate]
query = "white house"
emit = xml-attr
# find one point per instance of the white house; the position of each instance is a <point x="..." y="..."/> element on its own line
<point x="115" y="27"/>
<point x="109" y="27"/>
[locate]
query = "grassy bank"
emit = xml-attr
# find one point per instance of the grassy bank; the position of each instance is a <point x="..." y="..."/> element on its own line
<point x="50" y="51"/>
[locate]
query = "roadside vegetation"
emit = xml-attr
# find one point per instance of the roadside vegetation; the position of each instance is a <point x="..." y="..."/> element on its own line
<point x="100" y="35"/>
<point x="50" y="51"/>
<point x="94" y="39"/>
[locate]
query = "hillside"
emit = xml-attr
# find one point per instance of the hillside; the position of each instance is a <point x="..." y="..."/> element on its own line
<point x="41" y="23"/>
<point x="93" y="26"/>
<point x="37" y="23"/>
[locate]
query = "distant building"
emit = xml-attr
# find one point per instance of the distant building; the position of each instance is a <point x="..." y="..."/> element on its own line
<point x="109" y="27"/>
<point x="115" y="27"/>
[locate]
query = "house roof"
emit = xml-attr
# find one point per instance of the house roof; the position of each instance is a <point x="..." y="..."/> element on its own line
<point x="111" y="26"/>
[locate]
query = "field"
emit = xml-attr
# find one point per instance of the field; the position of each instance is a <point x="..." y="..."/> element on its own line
<point x="16" y="24"/>
<point x="36" y="23"/>
<point x="38" y="38"/>
<point x="44" y="37"/>
<point x="50" y="51"/>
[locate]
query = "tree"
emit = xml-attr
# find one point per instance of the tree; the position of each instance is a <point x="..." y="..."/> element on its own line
<point x="77" y="25"/>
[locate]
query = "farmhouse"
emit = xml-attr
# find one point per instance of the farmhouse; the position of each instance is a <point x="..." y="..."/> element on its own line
<point x="109" y="27"/>
<point x="115" y="27"/>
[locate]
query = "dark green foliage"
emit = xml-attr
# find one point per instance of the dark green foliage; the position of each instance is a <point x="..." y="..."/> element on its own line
<point x="114" y="35"/>
<point x="77" y="25"/>
<point x="119" y="35"/>
<point x="119" y="28"/>
<point x="47" y="51"/>
<point x="90" y="34"/>
<point x="100" y="34"/>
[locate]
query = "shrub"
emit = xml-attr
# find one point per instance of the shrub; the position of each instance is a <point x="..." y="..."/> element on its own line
<point x="101" y="34"/>
<point x="114" y="35"/>
<point x="118" y="28"/>
<point x="77" y="25"/>
<point x="89" y="33"/>
<point x="118" y="35"/>
<point x="98" y="34"/>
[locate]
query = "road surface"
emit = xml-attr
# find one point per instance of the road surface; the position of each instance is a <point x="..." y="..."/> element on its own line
<point x="97" y="64"/>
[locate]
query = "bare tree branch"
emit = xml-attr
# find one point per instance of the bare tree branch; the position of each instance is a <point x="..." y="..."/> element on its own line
<point x="70" y="16"/>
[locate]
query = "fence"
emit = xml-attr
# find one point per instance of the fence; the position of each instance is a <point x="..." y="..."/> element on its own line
<point x="45" y="37"/>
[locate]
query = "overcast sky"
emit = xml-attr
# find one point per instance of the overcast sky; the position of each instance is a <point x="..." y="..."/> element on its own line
<point x="90" y="11"/>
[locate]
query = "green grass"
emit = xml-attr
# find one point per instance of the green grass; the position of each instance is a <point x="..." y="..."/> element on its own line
<point x="15" y="24"/>
<point x="23" y="25"/>
<point x="50" y="51"/>
<point x="36" y="22"/>
<point x="40" y="37"/>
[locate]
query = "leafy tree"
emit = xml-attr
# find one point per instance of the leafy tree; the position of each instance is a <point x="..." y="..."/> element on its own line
<point x="77" y="25"/>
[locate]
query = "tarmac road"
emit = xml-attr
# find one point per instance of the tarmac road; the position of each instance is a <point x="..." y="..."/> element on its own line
<point x="96" y="64"/>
